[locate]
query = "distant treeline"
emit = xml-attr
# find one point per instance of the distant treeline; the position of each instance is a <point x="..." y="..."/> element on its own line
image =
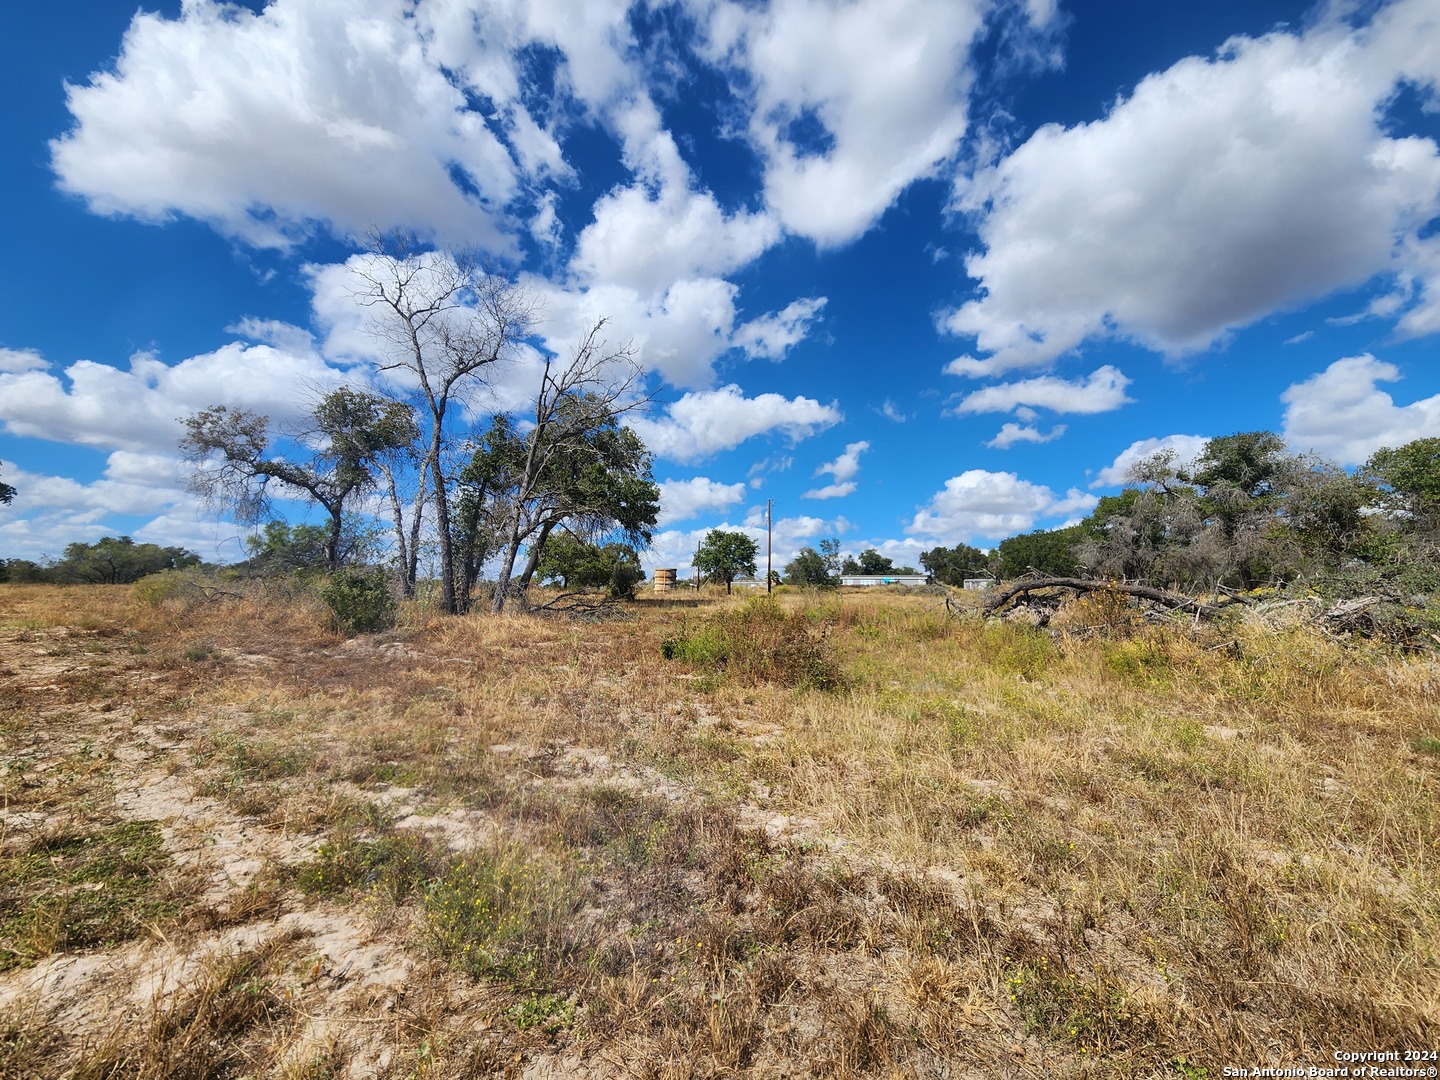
<point x="111" y="560"/>
<point x="1246" y="513"/>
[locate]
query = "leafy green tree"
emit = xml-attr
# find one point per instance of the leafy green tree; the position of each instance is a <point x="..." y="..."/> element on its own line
<point x="362" y="435"/>
<point x="7" y="493"/>
<point x="872" y="562"/>
<point x="951" y="566"/>
<point x="234" y="467"/>
<point x="577" y="411"/>
<point x="119" y="560"/>
<point x="578" y="564"/>
<point x="280" y="548"/>
<point x="24" y="572"/>
<point x="596" y="483"/>
<point x="809" y="568"/>
<point x="1408" y="481"/>
<point x="1249" y="462"/>
<point x="1048" y="551"/>
<point x="724" y="556"/>
<point x="1327" y="515"/>
<point x="496" y="459"/>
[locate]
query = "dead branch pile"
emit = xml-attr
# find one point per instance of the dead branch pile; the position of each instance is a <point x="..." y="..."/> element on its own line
<point x="1036" y="599"/>
<point x="1026" y="592"/>
<point x="584" y="606"/>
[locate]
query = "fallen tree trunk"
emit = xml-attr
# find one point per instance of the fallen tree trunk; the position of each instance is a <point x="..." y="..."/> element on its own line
<point x="1172" y="601"/>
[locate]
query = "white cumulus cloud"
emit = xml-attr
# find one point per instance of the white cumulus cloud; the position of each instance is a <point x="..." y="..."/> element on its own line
<point x="843" y="470"/>
<point x="1012" y="433"/>
<point x="1102" y="391"/>
<point x="704" y="422"/>
<point x="1186" y="449"/>
<point x="1219" y="191"/>
<point x="770" y="337"/>
<point x="18" y="360"/>
<point x="138" y="407"/>
<point x="832" y="491"/>
<point x="848" y="103"/>
<point x="312" y="111"/>
<point x="1341" y="414"/>
<point x="992" y="505"/>
<point x="681" y="500"/>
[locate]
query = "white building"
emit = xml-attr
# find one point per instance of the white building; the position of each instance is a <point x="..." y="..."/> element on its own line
<point x="866" y="580"/>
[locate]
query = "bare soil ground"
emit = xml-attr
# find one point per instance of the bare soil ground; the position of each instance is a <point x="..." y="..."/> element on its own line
<point x="232" y="844"/>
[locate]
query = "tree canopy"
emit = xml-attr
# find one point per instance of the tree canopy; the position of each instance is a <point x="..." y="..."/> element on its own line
<point x="578" y="564"/>
<point x="724" y="556"/>
<point x="1408" y="481"/>
<point x="809" y="568"/>
<point x="1249" y="513"/>
<point x="234" y="466"/>
<point x="951" y="566"/>
<point x="113" y="560"/>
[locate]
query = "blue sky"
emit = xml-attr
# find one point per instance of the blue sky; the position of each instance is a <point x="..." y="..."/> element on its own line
<point x="922" y="272"/>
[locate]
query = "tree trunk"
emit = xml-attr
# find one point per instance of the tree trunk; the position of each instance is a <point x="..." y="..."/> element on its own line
<point x="442" y="512"/>
<point x="507" y="568"/>
<point x="536" y="550"/>
<point x="407" y="582"/>
<point x="332" y="542"/>
<point x="1160" y="596"/>
<point x="412" y="569"/>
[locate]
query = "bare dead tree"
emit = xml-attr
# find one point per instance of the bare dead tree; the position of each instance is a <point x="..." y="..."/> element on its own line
<point x="594" y="387"/>
<point x="443" y="321"/>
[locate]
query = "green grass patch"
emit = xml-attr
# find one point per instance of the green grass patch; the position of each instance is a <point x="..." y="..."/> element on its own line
<point x="249" y="760"/>
<point x="549" y="1012"/>
<point x="396" y="865"/>
<point x="76" y="892"/>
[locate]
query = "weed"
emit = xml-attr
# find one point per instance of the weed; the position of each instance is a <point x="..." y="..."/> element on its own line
<point x="501" y="913"/>
<point x="249" y="760"/>
<point x="1093" y="1013"/>
<point x="549" y="1012"/>
<point x="395" y="865"/>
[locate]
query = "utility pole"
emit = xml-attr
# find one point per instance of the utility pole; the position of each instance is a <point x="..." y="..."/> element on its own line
<point x="768" y="585"/>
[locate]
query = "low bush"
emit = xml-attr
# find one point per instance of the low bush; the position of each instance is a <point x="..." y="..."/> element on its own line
<point x="760" y="642"/>
<point x="359" y="602"/>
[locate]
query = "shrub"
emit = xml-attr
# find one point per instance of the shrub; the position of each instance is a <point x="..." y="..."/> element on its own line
<point x="359" y="602"/>
<point x="760" y="642"/>
<point x="623" y="579"/>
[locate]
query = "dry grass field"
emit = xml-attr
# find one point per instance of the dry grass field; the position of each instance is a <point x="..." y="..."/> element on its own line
<point x="832" y="836"/>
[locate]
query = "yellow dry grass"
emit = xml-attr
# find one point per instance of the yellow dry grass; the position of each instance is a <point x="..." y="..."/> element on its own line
<point x="1121" y="850"/>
